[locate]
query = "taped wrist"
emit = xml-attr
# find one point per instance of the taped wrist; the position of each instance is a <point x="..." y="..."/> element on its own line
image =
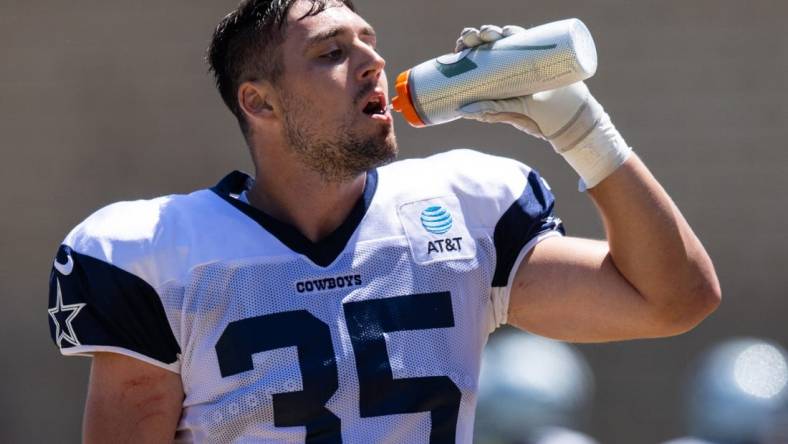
<point x="590" y="143"/>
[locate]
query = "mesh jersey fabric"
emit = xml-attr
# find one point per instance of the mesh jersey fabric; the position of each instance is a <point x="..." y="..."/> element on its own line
<point x="380" y="342"/>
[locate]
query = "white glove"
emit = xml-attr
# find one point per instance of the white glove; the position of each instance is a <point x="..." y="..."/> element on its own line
<point x="569" y="118"/>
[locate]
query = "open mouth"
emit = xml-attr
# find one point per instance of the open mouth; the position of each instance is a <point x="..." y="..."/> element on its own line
<point x="376" y="106"/>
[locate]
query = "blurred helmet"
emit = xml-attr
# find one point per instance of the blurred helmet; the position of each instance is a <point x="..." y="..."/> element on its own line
<point x="737" y="390"/>
<point x="560" y="435"/>
<point x="688" y="440"/>
<point x="528" y="383"/>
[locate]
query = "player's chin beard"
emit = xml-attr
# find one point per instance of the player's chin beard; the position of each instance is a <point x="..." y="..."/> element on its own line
<point x="341" y="156"/>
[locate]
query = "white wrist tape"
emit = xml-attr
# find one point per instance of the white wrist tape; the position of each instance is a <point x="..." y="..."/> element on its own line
<point x="591" y="144"/>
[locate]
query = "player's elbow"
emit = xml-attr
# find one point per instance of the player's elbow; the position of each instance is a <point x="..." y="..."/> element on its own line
<point x="689" y="307"/>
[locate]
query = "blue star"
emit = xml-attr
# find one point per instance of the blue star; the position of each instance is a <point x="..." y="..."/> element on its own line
<point x="63" y="315"/>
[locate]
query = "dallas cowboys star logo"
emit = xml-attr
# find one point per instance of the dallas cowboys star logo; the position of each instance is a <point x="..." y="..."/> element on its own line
<point x="63" y="315"/>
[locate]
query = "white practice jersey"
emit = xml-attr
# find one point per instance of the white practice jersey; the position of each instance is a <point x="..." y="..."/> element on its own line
<point x="372" y="335"/>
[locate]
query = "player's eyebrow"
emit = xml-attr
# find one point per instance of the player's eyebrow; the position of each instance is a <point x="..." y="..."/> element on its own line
<point x="333" y="32"/>
<point x="368" y="31"/>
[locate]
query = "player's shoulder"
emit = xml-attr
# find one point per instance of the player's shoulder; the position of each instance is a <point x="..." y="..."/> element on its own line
<point x="464" y="161"/>
<point x="133" y="234"/>
<point x="121" y="222"/>
<point x="469" y="159"/>
<point x="471" y="175"/>
<point x="462" y="166"/>
<point x="133" y="222"/>
<point x="113" y="265"/>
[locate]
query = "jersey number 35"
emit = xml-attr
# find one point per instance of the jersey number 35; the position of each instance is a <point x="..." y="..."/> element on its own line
<point x="380" y="393"/>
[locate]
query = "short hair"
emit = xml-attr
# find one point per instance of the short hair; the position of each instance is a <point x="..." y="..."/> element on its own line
<point x="245" y="46"/>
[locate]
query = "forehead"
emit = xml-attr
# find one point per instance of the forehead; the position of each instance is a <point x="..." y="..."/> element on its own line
<point x="336" y="15"/>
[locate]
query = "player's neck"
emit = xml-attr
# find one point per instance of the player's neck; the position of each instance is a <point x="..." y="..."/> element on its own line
<point x="303" y="199"/>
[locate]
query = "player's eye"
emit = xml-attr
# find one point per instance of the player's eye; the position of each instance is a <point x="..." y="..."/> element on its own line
<point x="334" y="55"/>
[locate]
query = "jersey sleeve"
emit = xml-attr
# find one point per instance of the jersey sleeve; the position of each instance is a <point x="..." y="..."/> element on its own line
<point x="528" y="220"/>
<point x="514" y="206"/>
<point x="97" y="306"/>
<point x="525" y="222"/>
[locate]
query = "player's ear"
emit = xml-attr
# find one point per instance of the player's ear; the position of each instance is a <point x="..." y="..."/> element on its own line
<point x="256" y="100"/>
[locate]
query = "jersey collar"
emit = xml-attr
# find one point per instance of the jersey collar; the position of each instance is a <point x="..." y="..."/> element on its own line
<point x="323" y="252"/>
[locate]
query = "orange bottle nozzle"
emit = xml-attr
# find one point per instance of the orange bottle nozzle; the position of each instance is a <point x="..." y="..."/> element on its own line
<point x="403" y="103"/>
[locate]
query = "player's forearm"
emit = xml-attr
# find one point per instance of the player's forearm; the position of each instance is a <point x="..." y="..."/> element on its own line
<point x="654" y="248"/>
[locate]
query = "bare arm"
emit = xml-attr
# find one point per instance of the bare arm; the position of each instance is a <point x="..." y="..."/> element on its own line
<point x="652" y="277"/>
<point x="131" y="401"/>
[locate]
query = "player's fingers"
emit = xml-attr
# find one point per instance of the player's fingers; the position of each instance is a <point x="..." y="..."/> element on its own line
<point x="470" y="37"/>
<point x="495" y="117"/>
<point x="511" y="30"/>
<point x="468" y="30"/>
<point x="476" y="117"/>
<point x="490" y="33"/>
<point x="529" y="126"/>
<point x="479" y="108"/>
<point x="512" y="105"/>
<point x="459" y="45"/>
<point x="517" y="120"/>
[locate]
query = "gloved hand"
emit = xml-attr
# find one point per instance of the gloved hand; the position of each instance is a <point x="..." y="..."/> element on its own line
<point x="569" y="118"/>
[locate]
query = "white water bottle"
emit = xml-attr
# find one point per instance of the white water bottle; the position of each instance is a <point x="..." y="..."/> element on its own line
<point x="545" y="57"/>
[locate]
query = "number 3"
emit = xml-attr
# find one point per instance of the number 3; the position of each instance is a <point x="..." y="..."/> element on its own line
<point x="380" y="393"/>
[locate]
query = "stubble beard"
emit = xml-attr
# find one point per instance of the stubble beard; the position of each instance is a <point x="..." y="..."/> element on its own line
<point x="338" y="157"/>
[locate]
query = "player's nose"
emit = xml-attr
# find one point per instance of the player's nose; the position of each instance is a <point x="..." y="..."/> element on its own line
<point x="372" y="65"/>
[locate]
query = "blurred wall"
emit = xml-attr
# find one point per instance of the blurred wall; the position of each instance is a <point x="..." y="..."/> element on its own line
<point x="105" y="101"/>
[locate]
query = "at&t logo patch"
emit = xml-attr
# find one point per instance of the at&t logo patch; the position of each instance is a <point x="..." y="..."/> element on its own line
<point x="436" y="230"/>
<point x="436" y="219"/>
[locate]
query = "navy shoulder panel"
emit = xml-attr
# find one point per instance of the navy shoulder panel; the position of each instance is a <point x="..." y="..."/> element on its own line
<point x="93" y="304"/>
<point x="528" y="217"/>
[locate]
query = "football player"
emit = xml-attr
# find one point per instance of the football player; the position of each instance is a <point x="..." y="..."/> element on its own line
<point x="330" y="298"/>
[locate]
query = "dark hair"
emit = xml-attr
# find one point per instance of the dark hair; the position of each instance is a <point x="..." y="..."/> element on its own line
<point x="245" y="46"/>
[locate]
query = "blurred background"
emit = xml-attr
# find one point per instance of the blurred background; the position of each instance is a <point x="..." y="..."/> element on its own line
<point x="105" y="101"/>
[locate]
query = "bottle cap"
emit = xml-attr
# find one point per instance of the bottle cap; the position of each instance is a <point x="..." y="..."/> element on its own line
<point x="403" y="103"/>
